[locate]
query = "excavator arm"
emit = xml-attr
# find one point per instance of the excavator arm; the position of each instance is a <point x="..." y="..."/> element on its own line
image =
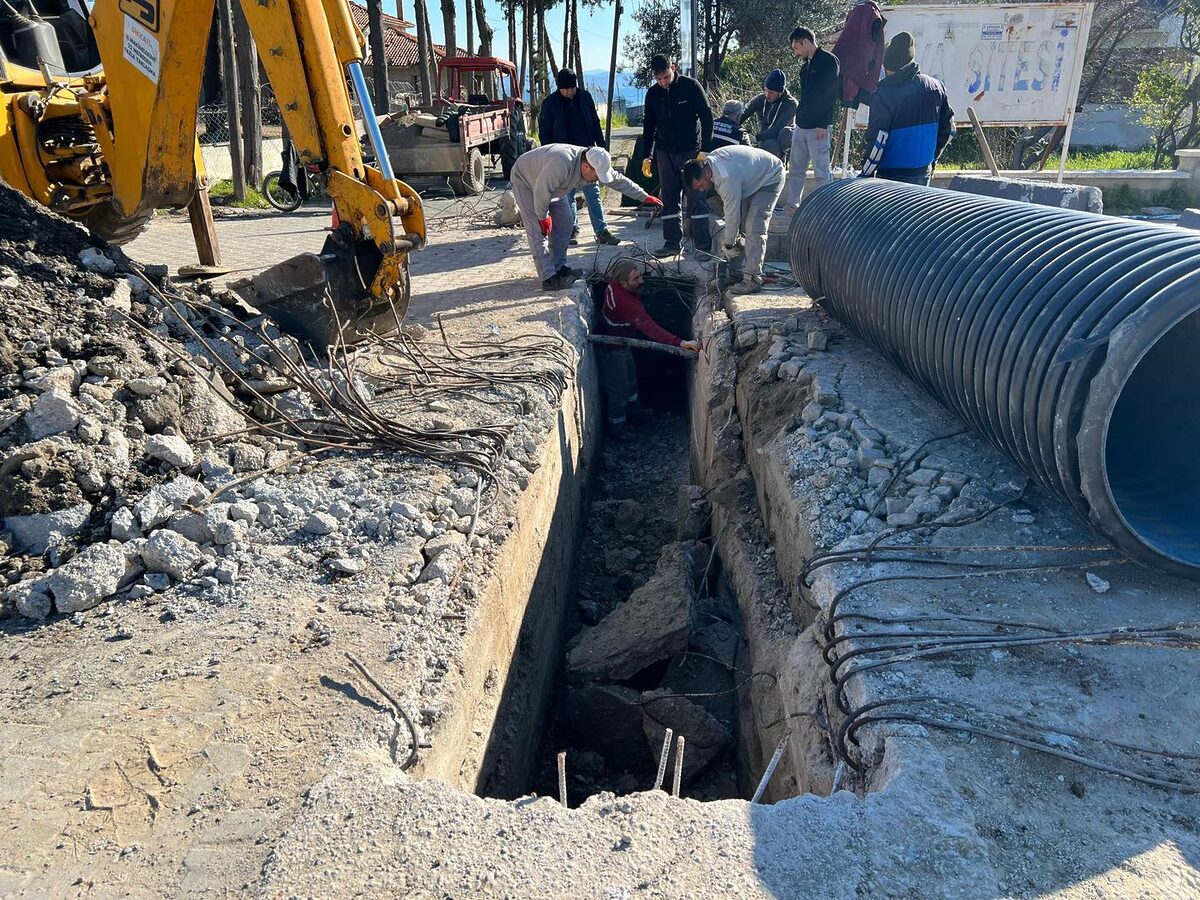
<point x="142" y="110"/>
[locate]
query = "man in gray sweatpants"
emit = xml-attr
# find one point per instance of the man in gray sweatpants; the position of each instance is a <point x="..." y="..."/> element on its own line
<point x="543" y="179"/>
<point x="748" y="181"/>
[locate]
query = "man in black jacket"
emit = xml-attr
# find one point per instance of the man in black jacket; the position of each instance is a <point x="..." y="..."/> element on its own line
<point x="569" y="116"/>
<point x="820" y="85"/>
<point x="678" y="126"/>
<point x="911" y="119"/>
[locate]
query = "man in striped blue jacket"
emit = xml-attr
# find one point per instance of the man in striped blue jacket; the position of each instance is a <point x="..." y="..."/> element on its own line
<point x="911" y="119"/>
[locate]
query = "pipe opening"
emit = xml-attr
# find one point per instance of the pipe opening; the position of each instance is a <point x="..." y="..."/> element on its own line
<point x="1150" y="448"/>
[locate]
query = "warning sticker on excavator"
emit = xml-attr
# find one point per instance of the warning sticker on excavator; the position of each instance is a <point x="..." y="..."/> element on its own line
<point x="141" y="49"/>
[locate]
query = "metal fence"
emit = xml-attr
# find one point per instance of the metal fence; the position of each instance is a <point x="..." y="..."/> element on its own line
<point x="212" y="120"/>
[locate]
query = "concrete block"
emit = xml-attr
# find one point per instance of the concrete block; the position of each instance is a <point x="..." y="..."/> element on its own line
<point x="1063" y="196"/>
<point x="1190" y="218"/>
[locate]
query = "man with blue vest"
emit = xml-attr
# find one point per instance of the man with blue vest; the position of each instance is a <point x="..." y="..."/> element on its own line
<point x="911" y="120"/>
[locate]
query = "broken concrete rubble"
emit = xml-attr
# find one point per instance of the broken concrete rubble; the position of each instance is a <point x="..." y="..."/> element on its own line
<point x="706" y="739"/>
<point x="90" y="577"/>
<point x="606" y="718"/>
<point x="653" y="623"/>
<point x="172" y="554"/>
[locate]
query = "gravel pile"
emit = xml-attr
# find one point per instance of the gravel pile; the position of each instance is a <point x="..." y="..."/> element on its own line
<point x="866" y="481"/>
<point x="134" y="462"/>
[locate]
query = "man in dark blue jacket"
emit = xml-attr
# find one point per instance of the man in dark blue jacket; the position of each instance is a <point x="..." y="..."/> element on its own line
<point x="569" y="116"/>
<point x="911" y="120"/>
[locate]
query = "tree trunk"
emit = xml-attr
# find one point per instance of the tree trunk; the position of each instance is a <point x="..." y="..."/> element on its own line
<point x="378" y="55"/>
<point x="486" y="32"/>
<point x="424" y="53"/>
<point x="448" y="15"/>
<point x="576" y="50"/>
<point x="512" y="34"/>
<point x="612" y="73"/>
<point x="552" y="72"/>
<point x="434" y="85"/>
<point x="525" y="49"/>
<point x="250" y="89"/>
<point x="233" y="104"/>
<point x="470" y="11"/>
<point x="566" y="42"/>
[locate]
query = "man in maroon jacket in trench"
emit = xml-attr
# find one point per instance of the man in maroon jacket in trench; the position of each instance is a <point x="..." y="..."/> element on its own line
<point x="623" y="315"/>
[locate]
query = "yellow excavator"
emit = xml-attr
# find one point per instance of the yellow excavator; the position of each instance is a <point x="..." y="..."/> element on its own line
<point x="98" y="123"/>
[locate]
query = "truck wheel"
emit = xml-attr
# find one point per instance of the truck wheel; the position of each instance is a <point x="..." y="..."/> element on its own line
<point x="473" y="178"/>
<point x="106" y="221"/>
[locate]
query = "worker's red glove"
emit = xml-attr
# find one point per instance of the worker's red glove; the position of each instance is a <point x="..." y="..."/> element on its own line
<point x="651" y="200"/>
<point x="546" y="225"/>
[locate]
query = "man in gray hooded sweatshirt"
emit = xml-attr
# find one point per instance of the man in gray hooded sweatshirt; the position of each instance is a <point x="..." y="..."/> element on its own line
<point x="542" y="181"/>
<point x="776" y="111"/>
<point x="748" y="182"/>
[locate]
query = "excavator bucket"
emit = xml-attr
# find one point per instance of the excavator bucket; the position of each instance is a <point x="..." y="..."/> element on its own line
<point x="324" y="297"/>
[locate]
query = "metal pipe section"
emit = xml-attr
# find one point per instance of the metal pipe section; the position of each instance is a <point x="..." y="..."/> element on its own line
<point x="1070" y="340"/>
<point x="370" y="121"/>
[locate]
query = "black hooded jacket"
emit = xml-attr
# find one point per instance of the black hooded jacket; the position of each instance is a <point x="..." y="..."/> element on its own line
<point x="677" y="119"/>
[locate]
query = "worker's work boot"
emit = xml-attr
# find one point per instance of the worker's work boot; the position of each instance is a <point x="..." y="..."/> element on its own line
<point x="607" y="237"/>
<point x="750" y="284"/>
<point x="558" y="282"/>
<point x="567" y="271"/>
<point x="574" y="241"/>
<point x="667" y="250"/>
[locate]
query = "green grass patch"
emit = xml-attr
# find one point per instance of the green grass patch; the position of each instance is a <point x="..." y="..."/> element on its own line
<point x="1124" y="200"/>
<point x="221" y="194"/>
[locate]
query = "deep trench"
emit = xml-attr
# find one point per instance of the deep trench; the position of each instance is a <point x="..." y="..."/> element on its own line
<point x="611" y="726"/>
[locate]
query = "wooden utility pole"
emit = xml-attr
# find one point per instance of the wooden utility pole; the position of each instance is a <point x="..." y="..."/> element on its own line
<point x="612" y="73"/>
<point x="250" y="90"/>
<point x="233" y="104"/>
<point x="379" y="74"/>
<point x="486" y="32"/>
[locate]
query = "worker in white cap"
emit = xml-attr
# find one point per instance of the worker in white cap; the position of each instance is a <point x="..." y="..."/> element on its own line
<point x="542" y="181"/>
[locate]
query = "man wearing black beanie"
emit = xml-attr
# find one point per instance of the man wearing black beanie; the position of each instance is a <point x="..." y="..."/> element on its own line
<point x="569" y="116"/>
<point x="911" y="120"/>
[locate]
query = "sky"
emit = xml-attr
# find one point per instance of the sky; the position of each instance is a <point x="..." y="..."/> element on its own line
<point x="595" y="28"/>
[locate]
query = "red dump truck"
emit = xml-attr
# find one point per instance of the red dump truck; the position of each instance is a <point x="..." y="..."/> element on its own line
<point x="477" y="119"/>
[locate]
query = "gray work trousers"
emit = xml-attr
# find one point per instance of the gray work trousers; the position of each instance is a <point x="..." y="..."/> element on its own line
<point x="618" y="382"/>
<point x="756" y="220"/>
<point x="806" y="148"/>
<point x="781" y="144"/>
<point x="549" y="254"/>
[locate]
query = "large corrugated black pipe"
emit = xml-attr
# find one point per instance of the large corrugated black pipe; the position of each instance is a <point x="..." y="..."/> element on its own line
<point x="1070" y="340"/>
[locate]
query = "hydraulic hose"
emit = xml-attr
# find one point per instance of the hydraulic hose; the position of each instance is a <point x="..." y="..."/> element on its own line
<point x="1070" y="340"/>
